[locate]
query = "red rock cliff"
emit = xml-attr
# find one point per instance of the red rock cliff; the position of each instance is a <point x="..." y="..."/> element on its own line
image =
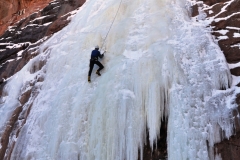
<point x="12" y="11"/>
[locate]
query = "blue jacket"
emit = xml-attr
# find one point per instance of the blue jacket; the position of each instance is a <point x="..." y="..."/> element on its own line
<point x="95" y="54"/>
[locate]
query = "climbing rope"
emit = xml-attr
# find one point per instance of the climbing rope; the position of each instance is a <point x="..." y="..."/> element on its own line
<point x="111" y="24"/>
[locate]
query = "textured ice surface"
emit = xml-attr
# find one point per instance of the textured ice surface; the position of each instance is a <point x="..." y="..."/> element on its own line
<point x="159" y="62"/>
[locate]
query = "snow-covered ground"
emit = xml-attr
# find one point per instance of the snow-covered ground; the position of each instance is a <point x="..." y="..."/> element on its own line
<point x="159" y="61"/>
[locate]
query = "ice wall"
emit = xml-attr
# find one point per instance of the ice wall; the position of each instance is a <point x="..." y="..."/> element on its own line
<point x="159" y="62"/>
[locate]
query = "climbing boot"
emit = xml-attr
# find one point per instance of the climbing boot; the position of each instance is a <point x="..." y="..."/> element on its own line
<point x="89" y="79"/>
<point x="98" y="73"/>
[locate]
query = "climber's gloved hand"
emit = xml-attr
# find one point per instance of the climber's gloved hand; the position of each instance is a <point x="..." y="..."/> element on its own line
<point x="103" y="53"/>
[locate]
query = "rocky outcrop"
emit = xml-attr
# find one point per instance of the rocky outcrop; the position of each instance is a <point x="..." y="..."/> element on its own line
<point x="224" y="19"/>
<point x="14" y="10"/>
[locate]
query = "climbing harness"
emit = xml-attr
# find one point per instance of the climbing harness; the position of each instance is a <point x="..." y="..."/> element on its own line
<point x="111" y="24"/>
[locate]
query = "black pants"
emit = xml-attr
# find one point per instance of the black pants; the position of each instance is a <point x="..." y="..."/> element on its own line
<point x="92" y="62"/>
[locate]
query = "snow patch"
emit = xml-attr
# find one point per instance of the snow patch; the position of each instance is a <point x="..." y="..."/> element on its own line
<point x="231" y="66"/>
<point x="47" y="24"/>
<point x="236" y="45"/>
<point x="233" y="28"/>
<point x="236" y="35"/>
<point x="223" y="31"/>
<point x="219" y="38"/>
<point x="226" y="18"/>
<point x="20" y="53"/>
<point x="210" y="12"/>
<point x="30" y="25"/>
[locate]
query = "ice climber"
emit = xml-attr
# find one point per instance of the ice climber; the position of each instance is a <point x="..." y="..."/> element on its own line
<point x="94" y="60"/>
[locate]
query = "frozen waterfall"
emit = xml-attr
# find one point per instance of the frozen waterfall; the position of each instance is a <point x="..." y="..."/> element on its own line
<point x="160" y="63"/>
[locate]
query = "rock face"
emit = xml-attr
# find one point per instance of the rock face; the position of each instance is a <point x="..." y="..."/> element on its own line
<point x="19" y="44"/>
<point x="224" y="19"/>
<point x="14" y="10"/>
